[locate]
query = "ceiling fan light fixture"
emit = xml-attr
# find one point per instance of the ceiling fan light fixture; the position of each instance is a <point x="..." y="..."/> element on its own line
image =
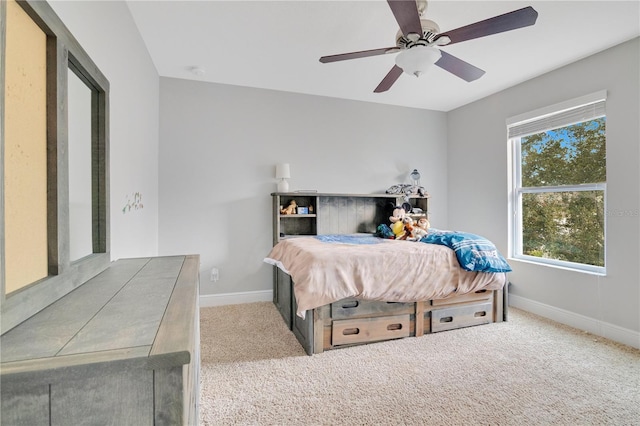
<point x="418" y="59"/>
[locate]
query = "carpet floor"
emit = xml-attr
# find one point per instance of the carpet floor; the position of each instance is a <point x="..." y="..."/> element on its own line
<point x="527" y="371"/>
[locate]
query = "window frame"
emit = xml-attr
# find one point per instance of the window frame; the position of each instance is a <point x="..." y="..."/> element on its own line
<point x="516" y="190"/>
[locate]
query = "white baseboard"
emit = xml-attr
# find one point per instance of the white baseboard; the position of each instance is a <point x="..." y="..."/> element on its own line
<point x="581" y="322"/>
<point x="208" y="300"/>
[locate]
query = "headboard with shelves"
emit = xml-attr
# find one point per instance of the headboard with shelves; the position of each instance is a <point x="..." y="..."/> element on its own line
<point x="335" y="213"/>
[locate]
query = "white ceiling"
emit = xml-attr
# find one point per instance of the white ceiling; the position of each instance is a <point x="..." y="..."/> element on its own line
<point x="276" y="44"/>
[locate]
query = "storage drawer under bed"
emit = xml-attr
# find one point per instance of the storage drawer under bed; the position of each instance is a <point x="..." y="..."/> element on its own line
<point x="364" y="330"/>
<point x="354" y="308"/>
<point x="449" y="318"/>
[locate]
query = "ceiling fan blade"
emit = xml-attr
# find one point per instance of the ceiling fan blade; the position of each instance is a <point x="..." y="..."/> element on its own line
<point x="389" y="79"/>
<point x="509" y="21"/>
<point x="356" y="55"/>
<point x="406" y="13"/>
<point x="458" y="67"/>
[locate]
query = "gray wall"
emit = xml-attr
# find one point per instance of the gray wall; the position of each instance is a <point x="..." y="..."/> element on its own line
<point x="477" y="187"/>
<point x="219" y="145"/>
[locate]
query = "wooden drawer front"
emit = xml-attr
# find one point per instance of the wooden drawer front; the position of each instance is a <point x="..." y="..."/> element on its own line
<point x="461" y="316"/>
<point x="464" y="298"/>
<point x="353" y="308"/>
<point x="370" y="329"/>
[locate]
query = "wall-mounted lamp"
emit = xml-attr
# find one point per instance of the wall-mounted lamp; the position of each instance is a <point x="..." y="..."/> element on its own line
<point x="283" y="172"/>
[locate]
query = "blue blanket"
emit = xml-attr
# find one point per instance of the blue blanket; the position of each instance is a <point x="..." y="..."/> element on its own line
<point x="474" y="253"/>
<point x="348" y="239"/>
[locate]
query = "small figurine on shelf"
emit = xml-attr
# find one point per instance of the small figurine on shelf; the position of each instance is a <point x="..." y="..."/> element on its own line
<point x="290" y="209"/>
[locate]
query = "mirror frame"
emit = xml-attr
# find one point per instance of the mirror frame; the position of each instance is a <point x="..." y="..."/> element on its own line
<point x="63" y="52"/>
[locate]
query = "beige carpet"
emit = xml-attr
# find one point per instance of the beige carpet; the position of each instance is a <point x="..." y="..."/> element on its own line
<point x="527" y="371"/>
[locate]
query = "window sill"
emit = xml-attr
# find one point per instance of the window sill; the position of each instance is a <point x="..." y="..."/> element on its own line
<point x="593" y="270"/>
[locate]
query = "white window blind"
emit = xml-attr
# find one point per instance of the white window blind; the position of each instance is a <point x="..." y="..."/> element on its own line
<point x="557" y="120"/>
<point x="561" y="115"/>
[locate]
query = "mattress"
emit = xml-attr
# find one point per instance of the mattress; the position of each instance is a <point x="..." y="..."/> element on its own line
<point x="326" y="269"/>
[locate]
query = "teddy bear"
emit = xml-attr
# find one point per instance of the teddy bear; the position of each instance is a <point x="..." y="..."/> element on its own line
<point x="290" y="209"/>
<point x="421" y="228"/>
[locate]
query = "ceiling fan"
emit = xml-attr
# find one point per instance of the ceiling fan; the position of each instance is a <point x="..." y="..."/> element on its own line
<point x="419" y="40"/>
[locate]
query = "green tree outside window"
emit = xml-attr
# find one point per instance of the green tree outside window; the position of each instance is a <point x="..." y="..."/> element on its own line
<point x="558" y="223"/>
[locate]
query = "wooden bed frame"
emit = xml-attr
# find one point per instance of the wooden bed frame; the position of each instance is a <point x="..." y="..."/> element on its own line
<point x="351" y="322"/>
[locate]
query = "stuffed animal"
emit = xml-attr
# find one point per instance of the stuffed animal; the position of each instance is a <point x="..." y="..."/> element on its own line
<point x="423" y="223"/>
<point x="383" y="231"/>
<point x="407" y="190"/>
<point x="290" y="209"/>
<point x="396" y="219"/>
<point x="408" y="229"/>
<point x="421" y="228"/>
<point x="396" y="230"/>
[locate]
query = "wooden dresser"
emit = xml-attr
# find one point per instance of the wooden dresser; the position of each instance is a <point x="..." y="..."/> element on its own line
<point x="121" y="349"/>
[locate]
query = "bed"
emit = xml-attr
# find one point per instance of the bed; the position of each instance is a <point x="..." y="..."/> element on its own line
<point x="335" y="291"/>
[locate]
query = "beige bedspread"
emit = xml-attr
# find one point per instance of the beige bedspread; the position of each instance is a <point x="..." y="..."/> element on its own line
<point x="392" y="271"/>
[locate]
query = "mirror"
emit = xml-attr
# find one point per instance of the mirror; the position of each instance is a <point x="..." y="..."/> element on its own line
<point x="71" y="203"/>
<point x="79" y="119"/>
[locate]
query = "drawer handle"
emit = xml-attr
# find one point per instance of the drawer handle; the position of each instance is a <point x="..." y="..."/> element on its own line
<point x="393" y="327"/>
<point x="350" y="331"/>
<point x="480" y="314"/>
<point x="482" y="291"/>
<point x="446" y="319"/>
<point x="350" y="305"/>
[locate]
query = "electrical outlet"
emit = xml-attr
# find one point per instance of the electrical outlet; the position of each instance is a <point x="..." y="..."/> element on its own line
<point x="215" y="275"/>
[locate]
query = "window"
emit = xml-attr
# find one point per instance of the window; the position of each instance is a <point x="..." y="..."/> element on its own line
<point x="558" y="186"/>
